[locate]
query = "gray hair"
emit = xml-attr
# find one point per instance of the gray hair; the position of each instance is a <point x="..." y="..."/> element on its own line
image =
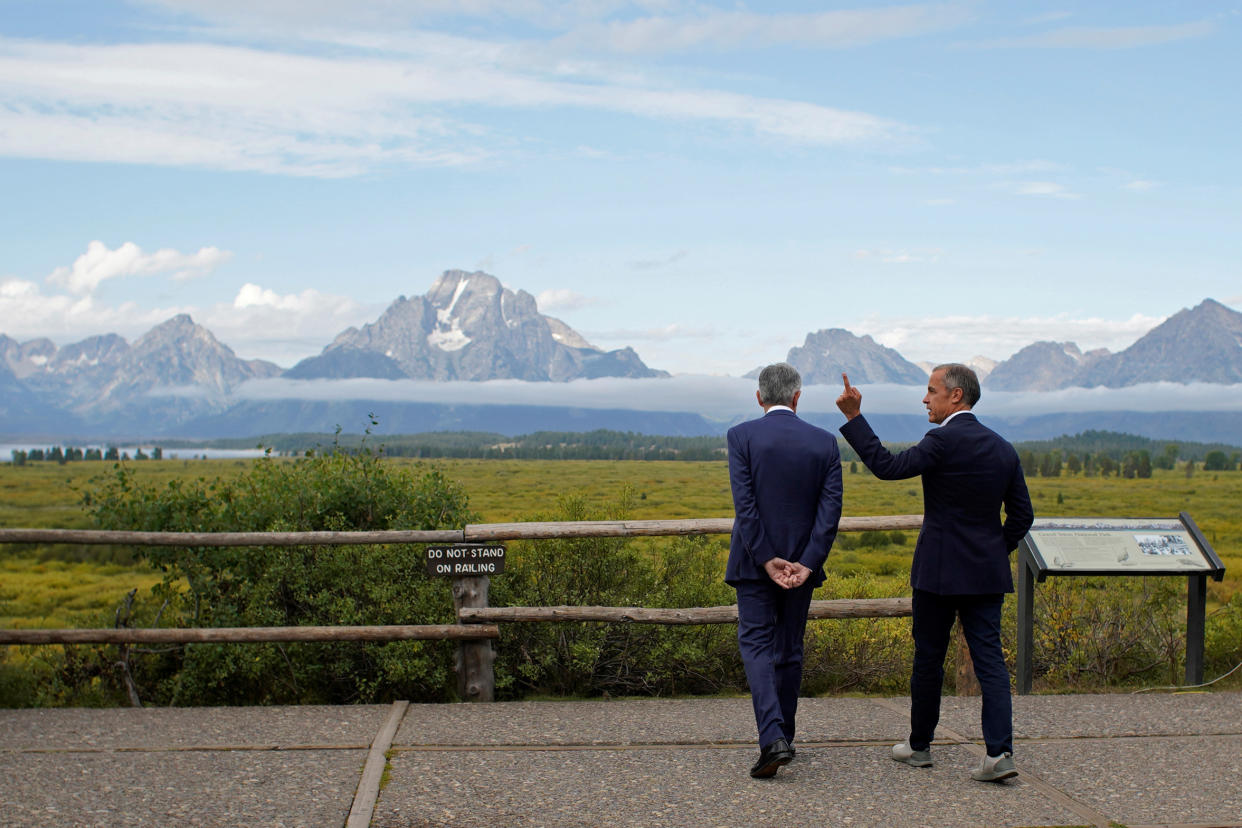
<point x="778" y="383"/>
<point x="957" y="375"/>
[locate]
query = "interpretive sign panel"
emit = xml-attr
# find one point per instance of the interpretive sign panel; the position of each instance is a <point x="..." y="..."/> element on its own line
<point x="464" y="560"/>
<point x="1116" y="546"/>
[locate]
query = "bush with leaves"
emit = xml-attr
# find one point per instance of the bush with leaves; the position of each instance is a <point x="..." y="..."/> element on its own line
<point x="292" y="586"/>
<point x="590" y="659"/>
<point x="1096" y="632"/>
<point x="871" y="655"/>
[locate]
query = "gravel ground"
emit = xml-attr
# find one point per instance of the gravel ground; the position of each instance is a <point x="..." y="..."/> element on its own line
<point x="1146" y="760"/>
<point x="200" y="788"/>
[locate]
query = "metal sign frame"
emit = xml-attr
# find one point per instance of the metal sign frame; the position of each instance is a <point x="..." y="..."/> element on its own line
<point x="1104" y="546"/>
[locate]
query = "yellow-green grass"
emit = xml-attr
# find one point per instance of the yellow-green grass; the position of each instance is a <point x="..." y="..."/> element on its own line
<point x="52" y="593"/>
<point x="49" y="495"/>
<point x="502" y="490"/>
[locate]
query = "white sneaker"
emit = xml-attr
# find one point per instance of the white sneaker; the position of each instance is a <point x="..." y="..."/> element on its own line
<point x="995" y="768"/>
<point x="908" y="755"/>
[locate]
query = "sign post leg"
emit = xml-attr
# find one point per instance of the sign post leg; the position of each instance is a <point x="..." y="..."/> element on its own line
<point x="476" y="678"/>
<point x="1026" y="621"/>
<point x="1196" y="622"/>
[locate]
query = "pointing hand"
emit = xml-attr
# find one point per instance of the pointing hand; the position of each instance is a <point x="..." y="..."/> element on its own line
<point x="850" y="401"/>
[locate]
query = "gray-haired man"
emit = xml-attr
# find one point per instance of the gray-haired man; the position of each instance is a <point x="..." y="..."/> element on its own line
<point x="786" y="479"/>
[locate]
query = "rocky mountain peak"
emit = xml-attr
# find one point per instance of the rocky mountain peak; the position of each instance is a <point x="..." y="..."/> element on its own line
<point x="181" y="354"/>
<point x="1199" y="344"/>
<point x="828" y="353"/>
<point x="27" y="358"/>
<point x="1042" y="366"/>
<point x="468" y="326"/>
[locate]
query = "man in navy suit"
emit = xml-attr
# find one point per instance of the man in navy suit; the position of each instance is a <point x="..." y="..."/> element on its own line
<point x="786" y="479"/>
<point x="961" y="561"/>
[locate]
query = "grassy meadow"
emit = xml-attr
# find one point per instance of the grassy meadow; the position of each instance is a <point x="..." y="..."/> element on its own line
<point x="65" y="586"/>
<point x="1089" y="625"/>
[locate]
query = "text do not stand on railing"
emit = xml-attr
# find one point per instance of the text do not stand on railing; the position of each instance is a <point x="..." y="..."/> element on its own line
<point x="461" y="560"/>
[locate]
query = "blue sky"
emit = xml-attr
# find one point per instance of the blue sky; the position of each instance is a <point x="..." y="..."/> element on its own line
<point x="707" y="182"/>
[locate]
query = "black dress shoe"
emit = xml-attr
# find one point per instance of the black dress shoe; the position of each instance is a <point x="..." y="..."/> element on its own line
<point x="771" y="758"/>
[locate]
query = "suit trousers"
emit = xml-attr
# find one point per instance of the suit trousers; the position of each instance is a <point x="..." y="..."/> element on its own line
<point x="981" y="621"/>
<point x="771" y="622"/>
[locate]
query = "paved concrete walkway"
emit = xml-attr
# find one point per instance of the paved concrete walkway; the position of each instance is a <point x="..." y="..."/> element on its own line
<point x="1145" y="760"/>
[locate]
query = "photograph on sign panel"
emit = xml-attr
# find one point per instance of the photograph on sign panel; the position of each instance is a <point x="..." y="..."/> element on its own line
<point x="1162" y="545"/>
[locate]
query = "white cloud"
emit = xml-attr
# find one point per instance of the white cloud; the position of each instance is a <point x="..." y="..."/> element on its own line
<point x="1140" y="185"/>
<point x="344" y="113"/>
<point x="663" y="333"/>
<point x="308" y="301"/>
<point x="960" y="337"/>
<point x="725" y="398"/>
<point x="718" y="29"/>
<point x="99" y="264"/>
<point x="1195" y="396"/>
<point x="898" y="256"/>
<point x="27" y="312"/>
<point x="257" y="324"/>
<point x="1120" y="37"/>
<point x="626" y="26"/>
<point x="283" y="328"/>
<point x="1021" y="167"/>
<point x="381" y="15"/>
<point x="563" y="299"/>
<point x="654" y="264"/>
<point x="1048" y="17"/>
<point x="1048" y="189"/>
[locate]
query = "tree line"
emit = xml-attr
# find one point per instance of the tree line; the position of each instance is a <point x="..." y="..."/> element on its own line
<point x="1090" y="453"/>
<point x="1131" y="464"/>
<point x="70" y="454"/>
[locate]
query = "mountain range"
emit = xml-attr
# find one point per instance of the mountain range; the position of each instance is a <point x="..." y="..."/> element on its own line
<point x="1199" y="344"/>
<point x="179" y="380"/>
<point x="468" y="327"/>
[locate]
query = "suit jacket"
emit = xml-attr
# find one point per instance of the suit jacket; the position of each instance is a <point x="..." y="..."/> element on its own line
<point x="968" y="472"/>
<point x="786" y="479"/>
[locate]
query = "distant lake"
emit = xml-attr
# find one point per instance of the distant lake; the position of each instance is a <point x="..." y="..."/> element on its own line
<point x="190" y="453"/>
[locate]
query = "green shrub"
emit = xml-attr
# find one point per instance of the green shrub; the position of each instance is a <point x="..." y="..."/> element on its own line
<point x="594" y="658"/>
<point x="18" y="683"/>
<point x="289" y="586"/>
<point x="1096" y="632"/>
<point x="1223" y="642"/>
<point x="874" y="538"/>
<point x="870" y="655"/>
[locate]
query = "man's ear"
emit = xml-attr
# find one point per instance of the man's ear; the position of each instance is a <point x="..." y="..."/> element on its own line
<point x="759" y="399"/>
<point x="794" y="402"/>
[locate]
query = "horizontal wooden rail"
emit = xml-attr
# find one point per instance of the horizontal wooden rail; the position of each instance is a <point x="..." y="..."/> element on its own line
<point x="98" y="536"/>
<point x="836" y="608"/>
<point x="473" y="533"/>
<point x="596" y="529"/>
<point x="124" y="635"/>
<point x="632" y="528"/>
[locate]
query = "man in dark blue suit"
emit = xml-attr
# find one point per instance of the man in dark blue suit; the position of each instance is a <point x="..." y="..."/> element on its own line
<point x="786" y="479"/>
<point x="961" y="561"/>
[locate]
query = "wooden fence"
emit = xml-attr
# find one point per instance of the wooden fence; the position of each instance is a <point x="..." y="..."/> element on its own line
<point x="478" y="624"/>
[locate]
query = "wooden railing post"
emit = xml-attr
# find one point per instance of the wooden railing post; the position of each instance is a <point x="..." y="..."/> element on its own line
<point x="476" y="677"/>
<point x="965" y="682"/>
